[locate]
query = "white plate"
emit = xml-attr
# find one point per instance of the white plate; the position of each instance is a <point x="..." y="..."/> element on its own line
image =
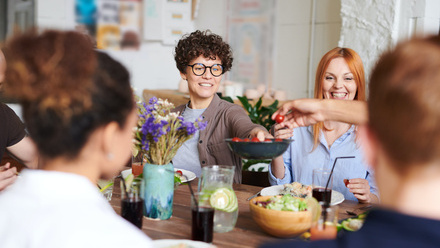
<point x="189" y="174"/>
<point x="165" y="243"/>
<point x="337" y="197"/>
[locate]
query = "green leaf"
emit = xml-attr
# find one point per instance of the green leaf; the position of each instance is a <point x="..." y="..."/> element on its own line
<point x="274" y="105"/>
<point x="228" y="99"/>
<point x="245" y="102"/>
<point x="249" y="162"/>
<point x="258" y="104"/>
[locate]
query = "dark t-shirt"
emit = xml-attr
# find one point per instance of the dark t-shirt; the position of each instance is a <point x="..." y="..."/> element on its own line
<point x="382" y="229"/>
<point x="11" y="128"/>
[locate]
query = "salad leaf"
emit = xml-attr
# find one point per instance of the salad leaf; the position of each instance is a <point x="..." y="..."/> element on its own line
<point x="284" y="203"/>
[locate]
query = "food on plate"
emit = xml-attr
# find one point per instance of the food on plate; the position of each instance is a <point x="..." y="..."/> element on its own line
<point x="297" y="189"/>
<point x="178" y="177"/>
<point x="284" y="203"/>
<point x="279" y="118"/>
<point x="236" y="139"/>
<point x="354" y="224"/>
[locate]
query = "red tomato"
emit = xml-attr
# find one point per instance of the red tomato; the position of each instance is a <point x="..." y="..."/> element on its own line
<point x="255" y="139"/>
<point x="267" y="140"/>
<point x="179" y="172"/>
<point x="236" y="139"/>
<point x="279" y="118"/>
<point x="246" y="140"/>
<point x="278" y="140"/>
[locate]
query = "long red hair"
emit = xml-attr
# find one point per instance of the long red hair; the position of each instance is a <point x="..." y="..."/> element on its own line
<point x="356" y="67"/>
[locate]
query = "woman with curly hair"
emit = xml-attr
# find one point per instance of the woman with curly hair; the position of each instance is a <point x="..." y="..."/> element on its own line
<point x="79" y="109"/>
<point x="202" y="58"/>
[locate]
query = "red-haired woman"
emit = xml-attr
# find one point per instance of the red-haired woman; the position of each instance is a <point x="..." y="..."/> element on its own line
<point x="340" y="75"/>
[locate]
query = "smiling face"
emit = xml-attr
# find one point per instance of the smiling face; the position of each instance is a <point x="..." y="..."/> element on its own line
<point x="202" y="88"/>
<point x="338" y="82"/>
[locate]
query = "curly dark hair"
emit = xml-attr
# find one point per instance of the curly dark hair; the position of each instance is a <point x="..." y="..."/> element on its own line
<point x="67" y="90"/>
<point x="203" y="43"/>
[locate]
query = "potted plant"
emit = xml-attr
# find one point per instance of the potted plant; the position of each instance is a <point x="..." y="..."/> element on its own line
<point x="260" y="115"/>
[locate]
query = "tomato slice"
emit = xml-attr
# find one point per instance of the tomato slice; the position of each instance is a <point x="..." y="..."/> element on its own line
<point x="179" y="172"/>
<point x="236" y="139"/>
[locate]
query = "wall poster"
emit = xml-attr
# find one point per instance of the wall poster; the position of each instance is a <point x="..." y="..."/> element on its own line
<point x="250" y="25"/>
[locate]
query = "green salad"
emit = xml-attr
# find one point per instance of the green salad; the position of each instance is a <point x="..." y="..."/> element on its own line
<point x="284" y="203"/>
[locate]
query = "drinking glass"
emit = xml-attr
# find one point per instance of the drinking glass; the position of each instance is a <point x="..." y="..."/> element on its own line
<point x="137" y="164"/>
<point x="106" y="188"/>
<point x="202" y="222"/>
<point x="326" y="225"/>
<point x="217" y="180"/>
<point x="320" y="181"/>
<point x="132" y="202"/>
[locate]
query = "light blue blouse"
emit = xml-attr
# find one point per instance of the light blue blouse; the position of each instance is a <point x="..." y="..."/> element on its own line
<point x="304" y="160"/>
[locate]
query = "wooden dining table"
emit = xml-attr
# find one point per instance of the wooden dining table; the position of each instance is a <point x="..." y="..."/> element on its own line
<point x="245" y="234"/>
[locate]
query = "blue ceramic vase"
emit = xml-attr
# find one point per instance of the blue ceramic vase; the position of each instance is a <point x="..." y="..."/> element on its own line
<point x="159" y="191"/>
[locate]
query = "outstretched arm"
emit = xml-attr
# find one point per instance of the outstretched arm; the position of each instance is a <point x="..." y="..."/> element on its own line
<point x="305" y="112"/>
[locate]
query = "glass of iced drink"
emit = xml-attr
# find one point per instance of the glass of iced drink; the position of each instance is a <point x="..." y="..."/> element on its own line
<point x="326" y="225"/>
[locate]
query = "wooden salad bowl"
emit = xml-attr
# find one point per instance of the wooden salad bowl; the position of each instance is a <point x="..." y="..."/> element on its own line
<point x="283" y="224"/>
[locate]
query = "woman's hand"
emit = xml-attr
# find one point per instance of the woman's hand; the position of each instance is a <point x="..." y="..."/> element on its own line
<point x="361" y="190"/>
<point x="281" y="132"/>
<point x="260" y="134"/>
<point x="7" y="176"/>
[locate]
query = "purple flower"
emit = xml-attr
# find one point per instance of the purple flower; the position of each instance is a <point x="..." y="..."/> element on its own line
<point x="152" y="100"/>
<point x="158" y="137"/>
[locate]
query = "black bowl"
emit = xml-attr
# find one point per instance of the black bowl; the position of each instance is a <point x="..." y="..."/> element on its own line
<point x="259" y="150"/>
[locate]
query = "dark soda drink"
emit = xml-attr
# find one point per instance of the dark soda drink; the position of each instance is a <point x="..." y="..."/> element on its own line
<point x="133" y="211"/>
<point x="202" y="224"/>
<point x="320" y="194"/>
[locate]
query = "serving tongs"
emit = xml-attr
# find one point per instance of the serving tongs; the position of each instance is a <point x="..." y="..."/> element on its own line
<point x="257" y="194"/>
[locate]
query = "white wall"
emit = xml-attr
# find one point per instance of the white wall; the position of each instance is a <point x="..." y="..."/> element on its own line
<point x="372" y="26"/>
<point x="304" y="29"/>
<point x="153" y="66"/>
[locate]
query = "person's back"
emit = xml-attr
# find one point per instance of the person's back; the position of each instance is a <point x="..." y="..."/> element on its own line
<point x="56" y="209"/>
<point x="402" y="143"/>
<point x="80" y="112"/>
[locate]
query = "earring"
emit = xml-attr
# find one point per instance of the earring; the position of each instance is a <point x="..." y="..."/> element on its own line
<point x="110" y="156"/>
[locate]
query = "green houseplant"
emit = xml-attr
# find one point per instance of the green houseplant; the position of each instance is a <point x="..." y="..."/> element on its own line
<point x="258" y="114"/>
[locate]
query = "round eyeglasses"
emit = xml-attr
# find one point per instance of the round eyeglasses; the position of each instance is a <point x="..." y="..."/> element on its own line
<point x="199" y="69"/>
